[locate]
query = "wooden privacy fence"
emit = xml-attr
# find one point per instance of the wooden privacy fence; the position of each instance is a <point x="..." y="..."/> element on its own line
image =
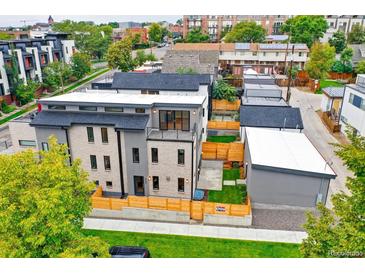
<point x="226" y="105"/>
<point x="223" y="151"/>
<point x="196" y="209"/>
<point x="224" y="125"/>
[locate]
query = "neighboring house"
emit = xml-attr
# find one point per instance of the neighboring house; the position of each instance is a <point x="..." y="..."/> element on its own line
<point x="129" y="24"/>
<point x="263" y="101"/>
<point x="202" y="62"/>
<point x="32" y="55"/>
<point x="282" y="118"/>
<point x="176" y="30"/>
<point x="353" y="106"/>
<point x="163" y="84"/>
<point x="285" y="169"/>
<point x="214" y="25"/>
<point x="358" y="53"/>
<point x="342" y="23"/>
<point x="128" y="144"/>
<point x="331" y="104"/>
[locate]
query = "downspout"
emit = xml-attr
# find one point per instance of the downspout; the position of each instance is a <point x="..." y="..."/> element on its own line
<point x="120" y="163"/>
<point x="68" y="145"/>
<point x="192" y="170"/>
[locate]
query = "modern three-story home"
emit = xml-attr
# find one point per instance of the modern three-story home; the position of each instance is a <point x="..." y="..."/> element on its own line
<point x="129" y="144"/>
<point x="31" y="56"/>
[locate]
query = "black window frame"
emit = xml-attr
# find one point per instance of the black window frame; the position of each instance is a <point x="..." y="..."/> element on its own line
<point x="140" y="110"/>
<point x="45" y="146"/>
<point x="169" y="120"/>
<point x="157" y="181"/>
<point x="107" y="164"/>
<point x="114" y="109"/>
<point x="135" y="155"/>
<point x="104" y="135"/>
<point x="154" y="155"/>
<point x="97" y="183"/>
<point x="29" y="143"/>
<point x="88" y="108"/>
<point x="179" y="181"/>
<point x="179" y="162"/>
<point x="109" y="184"/>
<point x="90" y="134"/>
<point x="93" y="162"/>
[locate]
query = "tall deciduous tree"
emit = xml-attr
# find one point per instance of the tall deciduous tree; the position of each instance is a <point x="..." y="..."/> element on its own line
<point x="305" y="29"/>
<point x="247" y="32"/>
<point x="196" y="36"/>
<point x="155" y="33"/>
<point x="80" y="65"/>
<point x="341" y="232"/>
<point x="356" y="35"/>
<point x="43" y="201"/>
<point x="338" y="40"/>
<point x="56" y="73"/>
<point x="321" y="60"/>
<point x="119" y="55"/>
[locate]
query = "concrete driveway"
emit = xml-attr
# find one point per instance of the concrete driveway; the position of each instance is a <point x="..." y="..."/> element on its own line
<point x="316" y="131"/>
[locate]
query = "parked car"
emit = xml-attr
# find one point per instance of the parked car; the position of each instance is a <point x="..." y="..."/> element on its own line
<point x="129" y="252"/>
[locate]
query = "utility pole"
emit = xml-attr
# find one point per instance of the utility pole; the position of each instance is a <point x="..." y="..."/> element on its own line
<point x="288" y="93"/>
<point x="286" y="53"/>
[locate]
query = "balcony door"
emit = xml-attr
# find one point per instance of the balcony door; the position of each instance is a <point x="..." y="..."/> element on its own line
<point x="174" y="119"/>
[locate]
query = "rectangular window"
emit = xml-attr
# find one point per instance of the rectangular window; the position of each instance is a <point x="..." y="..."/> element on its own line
<point x="90" y="134"/>
<point x="107" y="162"/>
<point x="88" y="108"/>
<point x="171" y="119"/>
<point x="357" y="101"/>
<point x="135" y="153"/>
<point x="180" y="157"/>
<point x="93" y="162"/>
<point x="109" y="184"/>
<point x="113" y="109"/>
<point x="104" y="135"/>
<point x="140" y="110"/>
<point x="45" y="146"/>
<point x="154" y="153"/>
<point x="27" y="143"/>
<point x="203" y="112"/>
<point x="277" y="54"/>
<point x="155" y="183"/>
<point x="300" y="54"/>
<point x="96" y="182"/>
<point x="180" y="184"/>
<point x="56" y="107"/>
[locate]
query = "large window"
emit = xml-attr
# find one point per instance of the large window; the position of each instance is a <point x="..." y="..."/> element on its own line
<point x="140" y="110"/>
<point x="45" y="146"/>
<point x="93" y="162"/>
<point x="104" y="135"/>
<point x="27" y="143"/>
<point x="107" y="162"/>
<point x="155" y="183"/>
<point x="154" y="153"/>
<point x="357" y="101"/>
<point x="90" y="134"/>
<point x="135" y="152"/>
<point x="181" y="156"/>
<point x="174" y="119"/>
<point x="109" y="184"/>
<point x="180" y="184"/>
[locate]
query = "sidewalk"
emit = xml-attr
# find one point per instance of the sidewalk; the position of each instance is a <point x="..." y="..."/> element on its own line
<point x="196" y="230"/>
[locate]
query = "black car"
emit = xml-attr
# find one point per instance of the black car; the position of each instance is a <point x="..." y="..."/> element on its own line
<point x="129" y="252"/>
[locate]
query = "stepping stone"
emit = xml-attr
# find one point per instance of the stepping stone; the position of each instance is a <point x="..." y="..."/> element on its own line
<point x="241" y="181"/>
<point x="229" y="182"/>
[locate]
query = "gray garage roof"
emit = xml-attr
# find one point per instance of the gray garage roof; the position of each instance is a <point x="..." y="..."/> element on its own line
<point x="271" y="117"/>
<point x="334" y="92"/>
<point x="66" y="119"/>
<point x="159" y="81"/>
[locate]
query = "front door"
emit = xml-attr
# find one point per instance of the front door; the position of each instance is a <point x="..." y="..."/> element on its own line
<point x="139" y="185"/>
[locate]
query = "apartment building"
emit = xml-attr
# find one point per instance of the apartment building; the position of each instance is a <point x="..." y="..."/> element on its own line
<point x="31" y="56"/>
<point x="236" y="58"/>
<point x="214" y="25"/>
<point x="353" y="106"/>
<point x="342" y="23"/>
<point x="129" y="144"/>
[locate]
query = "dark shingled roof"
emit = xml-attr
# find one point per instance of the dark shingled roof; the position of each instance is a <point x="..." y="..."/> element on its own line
<point x="66" y="119"/>
<point x="270" y="117"/>
<point x="159" y="81"/>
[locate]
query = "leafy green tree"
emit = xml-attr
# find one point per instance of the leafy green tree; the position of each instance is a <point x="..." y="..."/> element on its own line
<point x="338" y="41"/>
<point x="43" y="200"/>
<point x="360" y="68"/>
<point x="56" y="74"/>
<point x="305" y="29"/>
<point x="225" y="30"/>
<point x="6" y="36"/>
<point x="186" y="70"/>
<point x="114" y="25"/>
<point x="346" y="56"/>
<point x="222" y="90"/>
<point x="341" y="233"/>
<point x="80" y="65"/>
<point x="179" y="21"/>
<point x="356" y="35"/>
<point x="119" y="55"/>
<point x="321" y="60"/>
<point x="25" y="92"/>
<point x="140" y="58"/>
<point x="155" y="33"/>
<point x="247" y="32"/>
<point x="196" y="36"/>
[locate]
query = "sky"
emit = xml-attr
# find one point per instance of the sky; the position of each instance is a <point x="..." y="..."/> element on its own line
<point x="18" y="20"/>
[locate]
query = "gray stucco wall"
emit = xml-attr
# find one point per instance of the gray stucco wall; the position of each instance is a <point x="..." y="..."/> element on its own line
<point x="278" y="188"/>
<point x="43" y="134"/>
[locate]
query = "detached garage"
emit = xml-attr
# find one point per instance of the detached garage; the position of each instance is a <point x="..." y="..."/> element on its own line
<point x="285" y="169"/>
<point x="261" y="90"/>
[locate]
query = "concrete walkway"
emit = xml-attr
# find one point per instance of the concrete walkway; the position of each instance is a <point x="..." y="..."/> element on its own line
<point x="196" y="230"/>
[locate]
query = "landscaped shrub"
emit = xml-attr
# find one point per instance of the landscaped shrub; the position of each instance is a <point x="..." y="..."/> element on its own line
<point x="7" y="108"/>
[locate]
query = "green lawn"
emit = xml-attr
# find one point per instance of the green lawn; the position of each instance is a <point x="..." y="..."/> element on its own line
<point x="229" y="194"/>
<point x="328" y="83"/>
<point x="222" y="139"/>
<point x="172" y="246"/>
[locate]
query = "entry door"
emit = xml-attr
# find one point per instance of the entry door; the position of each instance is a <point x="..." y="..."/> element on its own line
<point x="139" y="185"/>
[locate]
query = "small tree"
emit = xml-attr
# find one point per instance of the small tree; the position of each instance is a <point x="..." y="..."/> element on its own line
<point x="140" y="58"/>
<point x="248" y="32"/>
<point x="56" y="74"/>
<point x="80" y="65"/>
<point x="43" y="200"/>
<point x="321" y="60"/>
<point x="222" y="90"/>
<point x="360" y="68"/>
<point x="196" y="36"/>
<point x="155" y="33"/>
<point x="25" y="92"/>
<point x="338" y="41"/>
<point x="357" y="35"/>
<point x="119" y="55"/>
